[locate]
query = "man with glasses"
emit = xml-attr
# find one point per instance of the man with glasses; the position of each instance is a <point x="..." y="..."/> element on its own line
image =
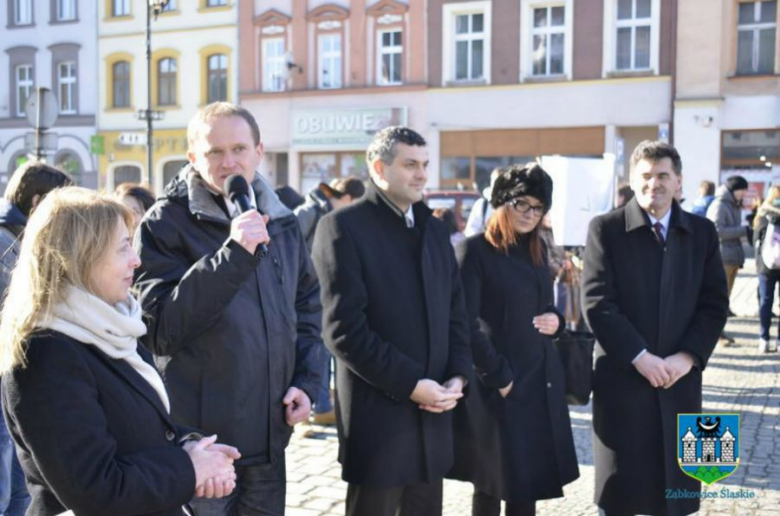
<point x="236" y="334"/>
<point x="654" y="294"/>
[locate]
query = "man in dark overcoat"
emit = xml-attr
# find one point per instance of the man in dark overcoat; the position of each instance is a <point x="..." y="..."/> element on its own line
<point x="394" y="318"/>
<point x="654" y="294"/>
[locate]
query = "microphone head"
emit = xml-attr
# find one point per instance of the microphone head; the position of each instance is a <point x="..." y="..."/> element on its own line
<point x="236" y="185"/>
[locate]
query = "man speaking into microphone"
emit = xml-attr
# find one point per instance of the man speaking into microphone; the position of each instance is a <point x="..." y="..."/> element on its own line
<point x="232" y="305"/>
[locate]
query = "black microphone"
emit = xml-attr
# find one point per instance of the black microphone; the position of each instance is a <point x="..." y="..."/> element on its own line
<point x="238" y="192"/>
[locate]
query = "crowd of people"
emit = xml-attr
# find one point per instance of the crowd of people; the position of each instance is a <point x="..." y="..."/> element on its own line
<point x="156" y="353"/>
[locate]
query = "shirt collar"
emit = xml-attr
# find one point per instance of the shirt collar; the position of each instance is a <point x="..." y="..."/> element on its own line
<point x="408" y="215"/>
<point x="663" y="220"/>
<point x="231" y="207"/>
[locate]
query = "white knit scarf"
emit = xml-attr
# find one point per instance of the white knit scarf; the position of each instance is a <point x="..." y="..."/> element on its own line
<point x="114" y="330"/>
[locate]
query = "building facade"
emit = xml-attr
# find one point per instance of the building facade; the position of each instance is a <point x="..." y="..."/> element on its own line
<point x="51" y="44"/>
<point x="193" y="63"/>
<point x="727" y="101"/>
<point x="486" y="82"/>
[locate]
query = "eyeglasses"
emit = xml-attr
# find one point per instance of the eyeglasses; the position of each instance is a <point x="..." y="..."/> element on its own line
<point x="521" y="206"/>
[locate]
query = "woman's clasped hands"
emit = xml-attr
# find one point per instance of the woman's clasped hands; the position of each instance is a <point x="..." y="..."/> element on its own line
<point x="215" y="475"/>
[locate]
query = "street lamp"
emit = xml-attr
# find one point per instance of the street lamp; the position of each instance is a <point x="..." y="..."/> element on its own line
<point x="153" y="7"/>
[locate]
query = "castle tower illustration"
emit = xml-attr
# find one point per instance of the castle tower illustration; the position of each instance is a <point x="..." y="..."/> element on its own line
<point x="708" y="449"/>
<point x="689" y="446"/>
<point x="727" y="446"/>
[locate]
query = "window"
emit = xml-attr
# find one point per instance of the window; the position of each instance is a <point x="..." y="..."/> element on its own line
<point x="217" y="78"/>
<point x="121" y="80"/>
<point x="466" y="45"/>
<point x="170" y="6"/>
<point x="469" y="46"/>
<point x="66" y="10"/>
<point x="171" y="169"/>
<point x="22" y="12"/>
<point x="127" y="174"/>
<point x="632" y="47"/>
<point x="25" y="82"/>
<point x="215" y="3"/>
<point x="66" y="86"/>
<point x="329" y="61"/>
<point x="549" y="34"/>
<point x="389" y="62"/>
<point x="120" y="8"/>
<point x="166" y="82"/>
<point x="756" y="28"/>
<point x="273" y="64"/>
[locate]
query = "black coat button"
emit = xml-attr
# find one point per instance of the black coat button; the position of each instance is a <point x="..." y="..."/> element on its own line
<point x="169" y="435"/>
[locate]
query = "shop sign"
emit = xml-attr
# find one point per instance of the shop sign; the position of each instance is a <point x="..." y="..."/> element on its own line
<point x="346" y="127"/>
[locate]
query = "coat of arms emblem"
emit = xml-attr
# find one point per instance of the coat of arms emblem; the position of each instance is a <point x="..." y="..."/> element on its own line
<point x="708" y="445"/>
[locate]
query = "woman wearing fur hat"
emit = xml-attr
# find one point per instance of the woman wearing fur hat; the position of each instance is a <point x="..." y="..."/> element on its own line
<point x="512" y="434"/>
<point x="768" y="278"/>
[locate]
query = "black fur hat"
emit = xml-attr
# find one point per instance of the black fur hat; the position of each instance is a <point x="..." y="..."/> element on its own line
<point x="517" y="181"/>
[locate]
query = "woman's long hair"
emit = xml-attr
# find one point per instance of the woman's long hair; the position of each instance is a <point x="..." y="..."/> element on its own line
<point x="502" y="235"/>
<point x="67" y="234"/>
<point x="768" y="205"/>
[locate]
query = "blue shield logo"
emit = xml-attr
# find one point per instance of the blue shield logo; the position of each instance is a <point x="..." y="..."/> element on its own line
<point x="708" y="445"/>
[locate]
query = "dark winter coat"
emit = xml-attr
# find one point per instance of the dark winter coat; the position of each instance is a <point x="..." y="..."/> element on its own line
<point x="12" y="222"/>
<point x="766" y="215"/>
<point x="519" y="448"/>
<point x="310" y="213"/>
<point x="726" y="213"/>
<point x="92" y="435"/>
<point x="393" y="314"/>
<point x="635" y="296"/>
<point x="231" y="332"/>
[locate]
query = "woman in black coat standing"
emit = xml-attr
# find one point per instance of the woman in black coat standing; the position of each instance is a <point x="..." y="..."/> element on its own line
<point x="86" y="407"/>
<point x="513" y="437"/>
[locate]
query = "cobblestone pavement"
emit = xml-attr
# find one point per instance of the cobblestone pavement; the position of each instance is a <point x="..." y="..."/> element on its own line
<point x="737" y="380"/>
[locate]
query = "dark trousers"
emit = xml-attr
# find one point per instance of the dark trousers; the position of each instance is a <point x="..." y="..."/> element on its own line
<point x="260" y="491"/>
<point x="766" y="299"/>
<point x="482" y="504"/>
<point x="413" y="500"/>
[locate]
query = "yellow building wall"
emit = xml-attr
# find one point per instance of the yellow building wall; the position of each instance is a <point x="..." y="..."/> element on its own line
<point x="169" y="145"/>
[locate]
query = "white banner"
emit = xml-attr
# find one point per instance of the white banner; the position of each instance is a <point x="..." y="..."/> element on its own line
<point x="582" y="189"/>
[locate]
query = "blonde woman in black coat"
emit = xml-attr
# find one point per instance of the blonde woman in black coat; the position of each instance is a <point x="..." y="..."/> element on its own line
<point x="88" y="411"/>
<point x="513" y="437"/>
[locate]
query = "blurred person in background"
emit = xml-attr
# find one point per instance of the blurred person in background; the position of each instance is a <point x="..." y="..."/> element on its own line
<point x="768" y="277"/>
<point x="451" y="222"/>
<point x="725" y="212"/>
<point x="321" y="201"/>
<point x="703" y="201"/>
<point x="84" y="403"/>
<point x="482" y="210"/>
<point x="513" y="437"/>
<point x="29" y="184"/>
<point x="137" y="198"/>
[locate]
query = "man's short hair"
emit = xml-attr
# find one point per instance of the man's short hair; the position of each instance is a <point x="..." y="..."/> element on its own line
<point x="219" y="110"/>
<point x="31" y="179"/>
<point x="383" y="146"/>
<point x="655" y="151"/>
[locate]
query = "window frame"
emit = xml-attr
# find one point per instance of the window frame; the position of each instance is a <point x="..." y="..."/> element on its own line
<point x="391" y="50"/>
<point x="115" y="83"/>
<point x="58" y="17"/>
<point x="449" y="41"/>
<point x="171" y="78"/>
<point x="611" y="25"/>
<point x="15" y="11"/>
<point x="210" y="71"/>
<point x="127" y="11"/>
<point x="71" y="81"/>
<point x="756" y="27"/>
<point x="332" y="56"/>
<point x="29" y="84"/>
<point x="271" y="64"/>
<point x="527" y="34"/>
<point x="208" y="4"/>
